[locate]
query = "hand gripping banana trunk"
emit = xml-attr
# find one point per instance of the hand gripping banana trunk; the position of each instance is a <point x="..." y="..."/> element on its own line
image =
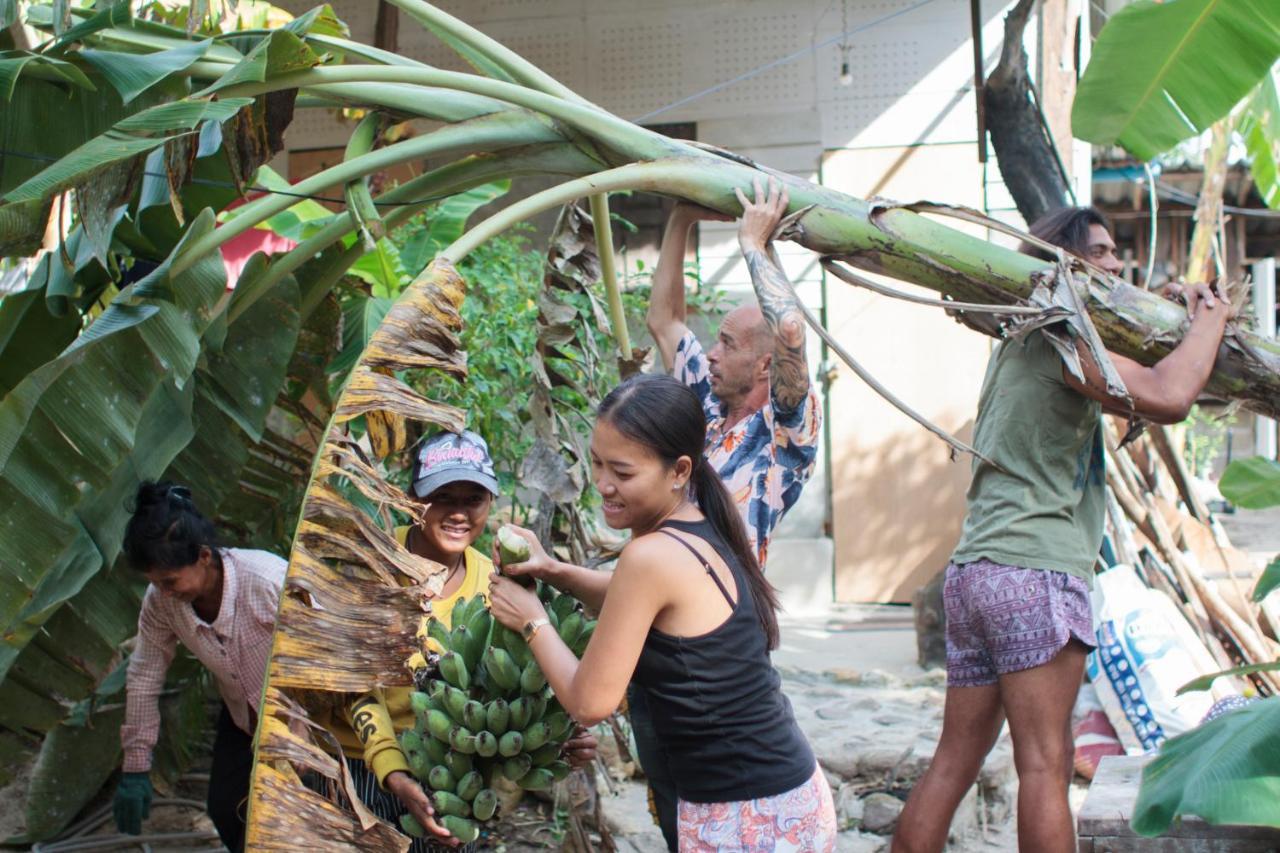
<point x="485" y="710"/>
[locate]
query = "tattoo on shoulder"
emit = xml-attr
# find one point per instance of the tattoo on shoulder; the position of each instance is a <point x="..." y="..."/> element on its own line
<point x="789" y="369"/>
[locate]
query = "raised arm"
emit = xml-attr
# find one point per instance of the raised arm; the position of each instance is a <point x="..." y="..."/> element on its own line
<point x="591" y="689"/>
<point x="1164" y="392"/>
<point x="788" y="369"/>
<point x="666" y="315"/>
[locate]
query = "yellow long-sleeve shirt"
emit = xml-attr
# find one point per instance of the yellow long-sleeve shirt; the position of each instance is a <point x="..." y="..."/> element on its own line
<point x="374" y="718"/>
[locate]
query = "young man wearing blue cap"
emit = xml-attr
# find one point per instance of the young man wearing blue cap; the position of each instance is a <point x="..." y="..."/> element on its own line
<point x="453" y="478"/>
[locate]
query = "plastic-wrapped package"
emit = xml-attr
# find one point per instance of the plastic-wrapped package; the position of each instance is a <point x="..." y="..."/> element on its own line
<point x="1146" y="651"/>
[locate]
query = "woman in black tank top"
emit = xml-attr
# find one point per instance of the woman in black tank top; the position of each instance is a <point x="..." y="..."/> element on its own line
<point x="689" y="614"/>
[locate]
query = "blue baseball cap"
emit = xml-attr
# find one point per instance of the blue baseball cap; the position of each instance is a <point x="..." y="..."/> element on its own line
<point x="452" y="457"/>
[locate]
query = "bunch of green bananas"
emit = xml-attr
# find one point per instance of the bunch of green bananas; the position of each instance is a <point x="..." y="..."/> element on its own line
<point x="487" y="712"/>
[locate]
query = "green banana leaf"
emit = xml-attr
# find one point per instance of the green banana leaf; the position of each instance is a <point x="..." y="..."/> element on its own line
<point x="124" y="142"/>
<point x="1252" y="482"/>
<point x="30" y="335"/>
<point x="446" y="222"/>
<point x="78" y="433"/>
<point x="1226" y="771"/>
<point x="279" y="53"/>
<point x="1146" y="86"/>
<point x="1260" y="128"/>
<point x="1269" y="580"/>
<point x="132" y="73"/>
<point x="1204" y="682"/>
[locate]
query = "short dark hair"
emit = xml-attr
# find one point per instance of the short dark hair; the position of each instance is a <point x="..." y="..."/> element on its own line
<point x="1067" y="228"/>
<point x="166" y="531"/>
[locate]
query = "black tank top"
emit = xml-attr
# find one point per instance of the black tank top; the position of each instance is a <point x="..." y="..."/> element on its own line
<point x="717" y="702"/>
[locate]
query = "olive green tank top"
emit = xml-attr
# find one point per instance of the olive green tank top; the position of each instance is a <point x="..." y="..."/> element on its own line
<point x="1046" y="509"/>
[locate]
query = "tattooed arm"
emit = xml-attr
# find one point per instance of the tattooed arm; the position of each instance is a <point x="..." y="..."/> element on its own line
<point x="788" y="370"/>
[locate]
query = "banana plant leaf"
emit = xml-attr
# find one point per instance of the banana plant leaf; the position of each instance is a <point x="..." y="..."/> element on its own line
<point x="1252" y="482"/>
<point x="125" y="141"/>
<point x="1204" y="682"/>
<point x="1224" y="772"/>
<point x="1260" y="127"/>
<point x="30" y="335"/>
<point x="1148" y="85"/>
<point x="132" y="74"/>
<point x="77" y="435"/>
<point x="1268" y="582"/>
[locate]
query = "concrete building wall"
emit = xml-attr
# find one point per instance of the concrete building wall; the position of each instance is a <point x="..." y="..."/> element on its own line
<point x="885" y="503"/>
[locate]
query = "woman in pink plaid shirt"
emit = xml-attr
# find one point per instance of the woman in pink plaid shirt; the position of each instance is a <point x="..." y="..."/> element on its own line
<point x="221" y="604"/>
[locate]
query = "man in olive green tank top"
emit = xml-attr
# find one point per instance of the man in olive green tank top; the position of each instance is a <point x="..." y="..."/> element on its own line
<point x="1017" y="591"/>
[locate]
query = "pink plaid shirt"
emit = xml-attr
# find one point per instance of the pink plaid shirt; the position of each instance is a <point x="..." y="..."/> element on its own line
<point x="235" y="648"/>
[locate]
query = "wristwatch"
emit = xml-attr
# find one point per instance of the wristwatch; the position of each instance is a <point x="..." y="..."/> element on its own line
<point x="531" y="628"/>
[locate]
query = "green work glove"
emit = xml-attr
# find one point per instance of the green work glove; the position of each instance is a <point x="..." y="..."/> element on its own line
<point x="133" y="802"/>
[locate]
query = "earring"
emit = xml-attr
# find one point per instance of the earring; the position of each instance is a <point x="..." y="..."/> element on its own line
<point x="677" y="487"/>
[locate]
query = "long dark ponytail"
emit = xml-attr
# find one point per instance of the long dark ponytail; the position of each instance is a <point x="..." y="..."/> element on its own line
<point x="166" y="531"/>
<point x="664" y="415"/>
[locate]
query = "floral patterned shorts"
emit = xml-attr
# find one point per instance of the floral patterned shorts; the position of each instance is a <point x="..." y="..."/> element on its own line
<point x="1003" y="619"/>
<point x="802" y="820"/>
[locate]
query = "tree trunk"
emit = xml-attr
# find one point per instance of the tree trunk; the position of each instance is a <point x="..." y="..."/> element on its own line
<point x="1028" y="162"/>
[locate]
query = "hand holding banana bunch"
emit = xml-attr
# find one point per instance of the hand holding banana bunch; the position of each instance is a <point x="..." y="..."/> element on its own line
<point x="486" y="710"/>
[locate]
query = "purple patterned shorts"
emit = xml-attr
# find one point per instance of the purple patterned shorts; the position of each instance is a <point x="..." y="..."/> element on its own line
<point x="1003" y="619"/>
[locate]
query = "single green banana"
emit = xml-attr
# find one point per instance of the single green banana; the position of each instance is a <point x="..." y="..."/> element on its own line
<point x="449" y="803"/>
<point x="497" y="716"/>
<point x="560" y="725"/>
<point x="520" y="709"/>
<point x="537" y="779"/>
<point x="435" y="748"/>
<point x="563" y="605"/>
<point x="439" y="724"/>
<point x="469" y="786"/>
<point x="486" y="744"/>
<point x="479" y="626"/>
<point x="455" y="703"/>
<point x="462" y="740"/>
<point x="460" y="640"/>
<point x="460" y="828"/>
<point x="485" y="805"/>
<point x="419" y="702"/>
<point x="537" y="707"/>
<point x="516" y="766"/>
<point x="440" y="779"/>
<point x="454" y="670"/>
<point x="536" y="735"/>
<point x="510" y="744"/>
<point x="437" y="631"/>
<point x="580" y="645"/>
<point x="531" y="679"/>
<point x="459" y="763"/>
<point x="473" y="715"/>
<point x="411" y="827"/>
<point x="512" y="547"/>
<point x="559" y="769"/>
<point x="501" y="668"/>
<point x="545" y="754"/>
<point x="570" y="627"/>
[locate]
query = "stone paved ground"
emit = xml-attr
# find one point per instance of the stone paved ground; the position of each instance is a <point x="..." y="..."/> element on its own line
<point x="873" y="717"/>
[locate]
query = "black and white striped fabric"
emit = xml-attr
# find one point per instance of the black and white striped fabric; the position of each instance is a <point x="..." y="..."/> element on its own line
<point x="385" y="805"/>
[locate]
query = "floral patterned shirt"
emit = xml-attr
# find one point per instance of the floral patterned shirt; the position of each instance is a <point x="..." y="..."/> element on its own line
<point x="766" y="458"/>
